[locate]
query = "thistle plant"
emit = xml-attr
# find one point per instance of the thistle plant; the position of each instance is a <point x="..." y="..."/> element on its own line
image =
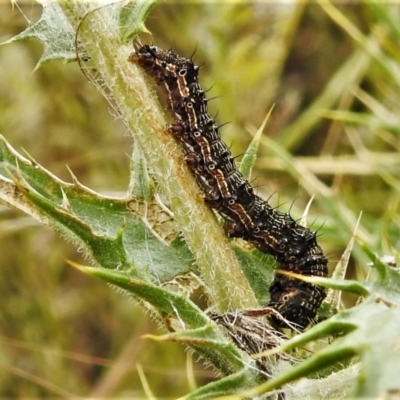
<point x="160" y="244"/>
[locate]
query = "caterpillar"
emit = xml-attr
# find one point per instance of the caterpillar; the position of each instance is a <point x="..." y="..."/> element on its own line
<point x="227" y="191"/>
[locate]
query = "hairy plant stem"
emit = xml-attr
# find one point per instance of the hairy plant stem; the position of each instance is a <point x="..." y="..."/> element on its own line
<point x="140" y="110"/>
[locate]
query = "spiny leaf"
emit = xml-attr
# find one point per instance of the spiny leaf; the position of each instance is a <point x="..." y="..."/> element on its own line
<point x="223" y="387"/>
<point x="211" y="344"/>
<point x="59" y="38"/>
<point x="380" y="266"/>
<point x="54" y="31"/>
<point x="132" y="17"/>
<point x="166" y="302"/>
<point x="359" y="288"/>
<point x="259" y="271"/>
<point x="369" y="330"/>
<point x="198" y="336"/>
<point x="250" y="157"/>
<point x="117" y="232"/>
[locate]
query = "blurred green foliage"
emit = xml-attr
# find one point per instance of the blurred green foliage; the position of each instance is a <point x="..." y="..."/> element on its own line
<point x="334" y="80"/>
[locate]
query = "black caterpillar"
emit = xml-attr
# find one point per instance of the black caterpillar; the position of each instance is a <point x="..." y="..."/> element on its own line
<point x="230" y="194"/>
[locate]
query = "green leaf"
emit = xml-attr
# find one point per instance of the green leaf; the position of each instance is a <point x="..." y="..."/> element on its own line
<point x="195" y="328"/>
<point x="54" y="31"/>
<point x="141" y="186"/>
<point x="59" y="38"/>
<point x="223" y="387"/>
<point x="118" y="233"/>
<point x="355" y="287"/>
<point x="369" y="331"/>
<point x="250" y="157"/>
<point x="259" y="271"/>
<point x="132" y="17"/>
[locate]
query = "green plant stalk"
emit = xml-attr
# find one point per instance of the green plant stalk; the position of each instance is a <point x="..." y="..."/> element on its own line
<point x="141" y="112"/>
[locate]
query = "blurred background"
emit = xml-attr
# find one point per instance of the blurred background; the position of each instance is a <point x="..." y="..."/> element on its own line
<point x="333" y="77"/>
